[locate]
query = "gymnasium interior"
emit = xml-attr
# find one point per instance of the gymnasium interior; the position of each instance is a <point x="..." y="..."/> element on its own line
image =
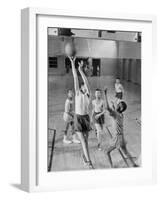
<point x="107" y="54"/>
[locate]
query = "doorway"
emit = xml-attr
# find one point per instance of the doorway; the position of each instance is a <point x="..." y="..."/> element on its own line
<point x="96" y="63"/>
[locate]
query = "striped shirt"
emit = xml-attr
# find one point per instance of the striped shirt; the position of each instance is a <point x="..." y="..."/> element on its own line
<point x="118" y="120"/>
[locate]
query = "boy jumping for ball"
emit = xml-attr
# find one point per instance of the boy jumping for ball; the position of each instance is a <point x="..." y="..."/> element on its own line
<point x="98" y="115"/>
<point x="119" y="142"/>
<point x="82" y="101"/>
<point x="69" y="119"/>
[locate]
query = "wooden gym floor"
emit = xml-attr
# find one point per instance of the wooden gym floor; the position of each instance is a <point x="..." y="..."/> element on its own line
<point x="68" y="157"/>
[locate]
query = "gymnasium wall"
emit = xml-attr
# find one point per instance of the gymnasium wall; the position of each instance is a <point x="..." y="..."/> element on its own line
<point x="118" y="58"/>
<point x="129" y="50"/>
<point x="106" y="50"/>
<point x="109" y="66"/>
<point x="85" y="47"/>
<point x="96" y="48"/>
<point x="129" y="62"/>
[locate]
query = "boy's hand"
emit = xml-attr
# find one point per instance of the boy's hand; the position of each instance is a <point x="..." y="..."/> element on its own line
<point x="80" y="66"/>
<point x="97" y="116"/>
<point x="72" y="59"/>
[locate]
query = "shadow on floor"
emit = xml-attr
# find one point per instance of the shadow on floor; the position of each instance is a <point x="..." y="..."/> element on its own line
<point x="17" y="186"/>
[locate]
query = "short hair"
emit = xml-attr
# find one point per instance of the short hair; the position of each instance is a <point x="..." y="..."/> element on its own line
<point x="97" y="89"/>
<point x="118" y="78"/>
<point x="69" y="90"/>
<point x="124" y="106"/>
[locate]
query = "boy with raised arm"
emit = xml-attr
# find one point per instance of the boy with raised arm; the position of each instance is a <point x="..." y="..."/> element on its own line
<point x="119" y="141"/>
<point x="82" y="101"/>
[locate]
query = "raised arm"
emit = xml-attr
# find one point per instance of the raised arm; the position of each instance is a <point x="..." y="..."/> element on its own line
<point x="84" y="78"/>
<point x="92" y="111"/>
<point x="111" y="110"/>
<point x="75" y="76"/>
<point x="113" y="105"/>
<point x="106" y="99"/>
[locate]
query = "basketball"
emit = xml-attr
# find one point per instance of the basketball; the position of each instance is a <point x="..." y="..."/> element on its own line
<point x="70" y="49"/>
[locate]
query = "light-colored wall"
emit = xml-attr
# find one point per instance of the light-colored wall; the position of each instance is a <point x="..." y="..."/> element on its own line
<point x="129" y="70"/>
<point x="129" y="67"/>
<point x="120" y="36"/>
<point x="108" y="51"/>
<point x="85" y="47"/>
<point x="96" y="48"/>
<point x="105" y="50"/>
<point x="108" y="66"/>
<point x="54" y="47"/>
<point x="129" y="50"/>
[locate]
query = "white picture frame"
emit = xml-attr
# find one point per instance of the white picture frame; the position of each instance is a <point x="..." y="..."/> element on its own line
<point x="33" y="175"/>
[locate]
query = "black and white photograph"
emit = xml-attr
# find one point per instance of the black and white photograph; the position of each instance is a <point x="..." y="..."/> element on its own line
<point x="94" y="99"/>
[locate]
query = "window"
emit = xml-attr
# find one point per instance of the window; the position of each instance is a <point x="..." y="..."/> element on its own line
<point x="53" y="62"/>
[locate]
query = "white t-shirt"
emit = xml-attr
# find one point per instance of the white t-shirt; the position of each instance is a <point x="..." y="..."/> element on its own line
<point x="98" y="106"/>
<point x="68" y="106"/>
<point x="82" y="102"/>
<point x="118" y="87"/>
<point x="68" y="113"/>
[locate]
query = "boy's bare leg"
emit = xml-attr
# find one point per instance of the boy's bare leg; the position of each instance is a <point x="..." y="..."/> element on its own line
<point x="65" y="140"/>
<point x="84" y="143"/>
<point x="123" y="157"/>
<point x="99" y="138"/>
<point x="98" y="129"/>
<point x="109" y="154"/>
<point x="74" y="135"/>
<point x="66" y="128"/>
<point x="126" y="152"/>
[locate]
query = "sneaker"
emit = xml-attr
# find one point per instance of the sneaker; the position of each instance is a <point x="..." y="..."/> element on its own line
<point x="135" y="165"/>
<point x="87" y="163"/>
<point x="90" y="165"/>
<point x="66" y="141"/>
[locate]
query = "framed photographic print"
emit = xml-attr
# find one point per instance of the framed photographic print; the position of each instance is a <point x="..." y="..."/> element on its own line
<point x="86" y="106"/>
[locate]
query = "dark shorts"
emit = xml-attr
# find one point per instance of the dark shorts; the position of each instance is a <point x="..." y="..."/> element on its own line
<point x="82" y="123"/>
<point x="100" y="120"/>
<point x="71" y="123"/>
<point x="119" y="95"/>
